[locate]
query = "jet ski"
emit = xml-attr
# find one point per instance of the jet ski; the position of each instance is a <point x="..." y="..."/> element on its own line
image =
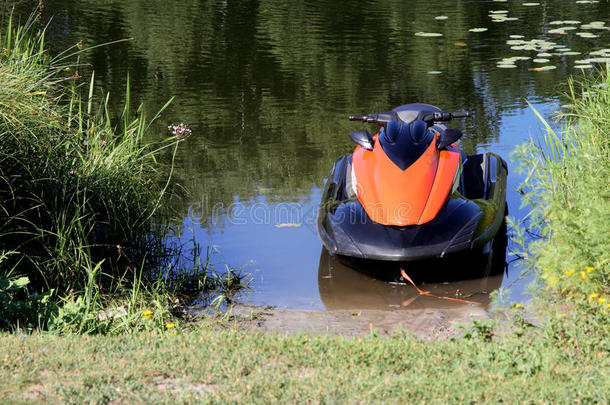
<point x="409" y="193"/>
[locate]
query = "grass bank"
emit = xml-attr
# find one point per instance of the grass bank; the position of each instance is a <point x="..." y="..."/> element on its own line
<point x="566" y="361"/>
<point x="84" y="217"/>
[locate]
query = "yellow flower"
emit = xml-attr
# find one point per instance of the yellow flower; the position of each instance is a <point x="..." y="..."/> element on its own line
<point x="601" y="300"/>
<point x="147" y="314"/>
<point x="589" y="269"/>
<point x="570" y="272"/>
<point x="517" y="305"/>
<point x="583" y="275"/>
<point x="169" y="325"/>
<point x="608" y="306"/>
<point x="593" y="295"/>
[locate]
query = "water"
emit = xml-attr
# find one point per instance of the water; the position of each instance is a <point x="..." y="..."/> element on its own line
<point x="266" y="88"/>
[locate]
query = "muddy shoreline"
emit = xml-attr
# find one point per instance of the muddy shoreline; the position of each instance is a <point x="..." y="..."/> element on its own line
<point x="427" y="324"/>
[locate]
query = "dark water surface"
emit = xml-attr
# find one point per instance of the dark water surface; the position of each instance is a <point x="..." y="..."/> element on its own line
<point x="266" y="88"/>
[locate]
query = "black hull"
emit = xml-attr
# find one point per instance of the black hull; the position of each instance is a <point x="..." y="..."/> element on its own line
<point x="467" y="222"/>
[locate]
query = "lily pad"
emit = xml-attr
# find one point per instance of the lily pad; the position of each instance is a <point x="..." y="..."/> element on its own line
<point x="557" y="31"/>
<point x="434" y="72"/>
<point x="515" y="36"/>
<point x="478" y="29"/>
<point x="544" y="68"/>
<point x="601" y="51"/>
<point x="571" y="53"/>
<point x="584" y="66"/>
<point x="530" y="4"/>
<point x="441" y="17"/>
<point x="506" y="66"/>
<point x="498" y="12"/>
<point x="500" y="18"/>
<point x="571" y="22"/>
<point x="544" y="55"/>
<point x="540" y="60"/>
<point x="593" y="27"/>
<point x="586" y="35"/>
<point x="428" y="34"/>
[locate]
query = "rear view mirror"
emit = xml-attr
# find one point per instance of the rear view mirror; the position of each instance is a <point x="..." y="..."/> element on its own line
<point x="448" y="137"/>
<point x="363" y="138"/>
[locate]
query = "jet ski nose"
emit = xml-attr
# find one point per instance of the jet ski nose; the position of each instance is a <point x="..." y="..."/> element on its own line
<point x="404" y="143"/>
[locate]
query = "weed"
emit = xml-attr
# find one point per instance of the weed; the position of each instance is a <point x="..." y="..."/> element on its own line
<point x="566" y="188"/>
<point x="85" y="205"/>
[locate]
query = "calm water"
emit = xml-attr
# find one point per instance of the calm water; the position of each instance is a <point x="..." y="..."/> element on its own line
<point x="266" y="88"/>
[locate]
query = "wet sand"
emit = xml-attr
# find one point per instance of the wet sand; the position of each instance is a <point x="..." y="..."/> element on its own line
<point x="427" y="324"/>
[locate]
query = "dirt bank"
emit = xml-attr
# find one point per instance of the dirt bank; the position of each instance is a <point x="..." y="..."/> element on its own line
<point x="427" y="324"/>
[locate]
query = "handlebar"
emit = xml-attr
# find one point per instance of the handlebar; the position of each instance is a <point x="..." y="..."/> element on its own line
<point x="381" y="118"/>
<point x="428" y="116"/>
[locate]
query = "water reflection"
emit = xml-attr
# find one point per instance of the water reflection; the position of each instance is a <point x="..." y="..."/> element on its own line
<point x="342" y="287"/>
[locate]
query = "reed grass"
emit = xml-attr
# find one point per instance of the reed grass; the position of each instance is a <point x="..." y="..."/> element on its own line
<point x="567" y="189"/>
<point x="77" y="188"/>
<point x="84" y="201"/>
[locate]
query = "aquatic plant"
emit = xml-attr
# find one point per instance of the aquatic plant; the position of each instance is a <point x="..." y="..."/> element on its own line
<point x="78" y="188"/>
<point x="567" y="191"/>
<point x="84" y="201"/>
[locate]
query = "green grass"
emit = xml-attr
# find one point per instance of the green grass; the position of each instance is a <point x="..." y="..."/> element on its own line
<point x="564" y="362"/>
<point x="567" y="190"/>
<point x="85" y="202"/>
<point x="78" y="189"/>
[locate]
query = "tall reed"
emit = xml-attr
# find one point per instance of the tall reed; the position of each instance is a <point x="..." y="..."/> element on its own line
<point x="567" y="189"/>
<point x="79" y="190"/>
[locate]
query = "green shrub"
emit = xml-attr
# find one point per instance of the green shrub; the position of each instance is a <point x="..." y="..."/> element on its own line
<point x="567" y="189"/>
<point x="77" y="188"/>
<point x="18" y="307"/>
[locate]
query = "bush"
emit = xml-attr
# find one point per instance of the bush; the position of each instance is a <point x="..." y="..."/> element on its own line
<point x="567" y="189"/>
<point x="77" y="189"/>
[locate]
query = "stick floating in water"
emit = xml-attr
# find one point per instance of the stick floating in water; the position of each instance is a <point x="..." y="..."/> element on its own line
<point x="421" y="292"/>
